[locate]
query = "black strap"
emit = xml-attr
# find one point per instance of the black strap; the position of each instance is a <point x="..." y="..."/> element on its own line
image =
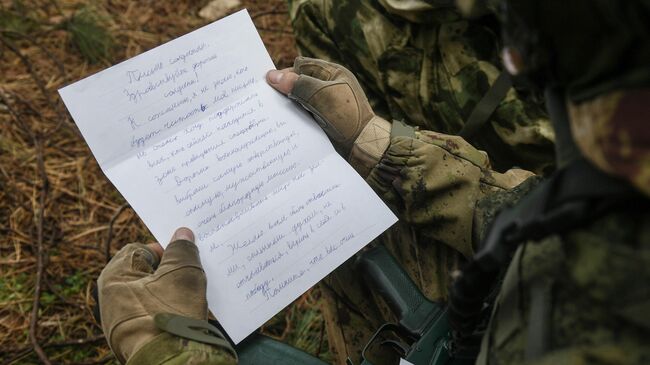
<point x="193" y="329"/>
<point x="572" y="197"/>
<point x="487" y="105"/>
<point x="539" y="321"/>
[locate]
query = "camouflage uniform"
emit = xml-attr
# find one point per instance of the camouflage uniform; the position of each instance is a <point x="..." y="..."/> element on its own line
<point x="427" y="66"/>
<point x="593" y="279"/>
<point x="433" y="182"/>
<point x="446" y="195"/>
<point x="581" y="296"/>
<point x="167" y="349"/>
<point x="599" y="315"/>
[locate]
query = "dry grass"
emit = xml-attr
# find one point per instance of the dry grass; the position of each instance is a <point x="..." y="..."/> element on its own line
<point x="59" y="215"/>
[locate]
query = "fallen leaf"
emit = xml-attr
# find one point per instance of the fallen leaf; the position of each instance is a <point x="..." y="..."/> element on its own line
<point x="217" y="9"/>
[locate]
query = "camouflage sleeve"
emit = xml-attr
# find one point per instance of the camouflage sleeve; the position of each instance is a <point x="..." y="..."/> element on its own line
<point x="434" y="181"/>
<point x="167" y="349"/>
<point x="489" y="206"/>
<point x="429" y="74"/>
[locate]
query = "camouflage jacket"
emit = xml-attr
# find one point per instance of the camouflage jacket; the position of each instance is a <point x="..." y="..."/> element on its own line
<point x="421" y="62"/>
<point x="576" y="298"/>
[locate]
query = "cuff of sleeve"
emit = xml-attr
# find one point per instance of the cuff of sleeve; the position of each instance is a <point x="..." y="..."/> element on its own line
<point x="370" y="146"/>
<point x="168" y="349"/>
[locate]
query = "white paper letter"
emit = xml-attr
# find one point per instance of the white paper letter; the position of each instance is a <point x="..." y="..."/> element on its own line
<point x="191" y="135"/>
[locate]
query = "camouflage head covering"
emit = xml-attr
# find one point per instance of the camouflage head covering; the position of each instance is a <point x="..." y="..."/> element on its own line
<point x="587" y="47"/>
<point x="598" y="52"/>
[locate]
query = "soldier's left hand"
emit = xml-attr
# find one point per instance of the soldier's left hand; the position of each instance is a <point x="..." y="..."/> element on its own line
<point x="141" y="281"/>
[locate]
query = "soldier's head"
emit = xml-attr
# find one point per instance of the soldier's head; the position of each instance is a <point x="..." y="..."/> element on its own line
<point x="596" y="53"/>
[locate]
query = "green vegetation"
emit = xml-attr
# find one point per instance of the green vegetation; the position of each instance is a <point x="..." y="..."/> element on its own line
<point x="89" y="34"/>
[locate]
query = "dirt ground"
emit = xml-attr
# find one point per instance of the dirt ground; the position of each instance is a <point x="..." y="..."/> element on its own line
<point x="60" y="218"/>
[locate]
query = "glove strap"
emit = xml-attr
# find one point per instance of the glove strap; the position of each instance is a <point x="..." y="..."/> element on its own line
<point x="193" y="329"/>
<point x="370" y="145"/>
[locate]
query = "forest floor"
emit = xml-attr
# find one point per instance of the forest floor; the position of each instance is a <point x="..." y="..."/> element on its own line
<point x="60" y="217"/>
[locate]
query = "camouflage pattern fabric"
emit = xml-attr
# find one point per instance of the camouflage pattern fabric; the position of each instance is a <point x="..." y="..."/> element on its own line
<point x="424" y="64"/>
<point x="432" y="182"/>
<point x="167" y="349"/>
<point x="593" y="282"/>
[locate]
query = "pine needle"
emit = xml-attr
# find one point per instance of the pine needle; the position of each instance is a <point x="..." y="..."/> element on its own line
<point x="12" y="22"/>
<point x="90" y="36"/>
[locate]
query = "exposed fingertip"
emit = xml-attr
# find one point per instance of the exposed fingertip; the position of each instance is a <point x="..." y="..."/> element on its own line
<point x="183" y="233"/>
<point x="274" y="76"/>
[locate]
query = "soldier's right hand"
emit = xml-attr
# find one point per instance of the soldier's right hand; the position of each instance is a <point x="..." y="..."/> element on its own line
<point x="332" y="94"/>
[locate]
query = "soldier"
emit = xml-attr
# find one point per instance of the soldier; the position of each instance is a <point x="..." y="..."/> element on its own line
<point x="422" y="174"/>
<point x="576" y="290"/>
<point x="578" y="295"/>
<point x="430" y="180"/>
<point x="422" y="63"/>
<point x="405" y="166"/>
<point x="425" y="65"/>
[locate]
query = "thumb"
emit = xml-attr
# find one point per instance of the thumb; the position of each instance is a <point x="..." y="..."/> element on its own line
<point x="180" y="282"/>
<point x="282" y="80"/>
<point x="180" y="252"/>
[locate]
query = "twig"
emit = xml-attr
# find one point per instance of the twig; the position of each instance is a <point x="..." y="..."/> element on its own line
<point x="76" y="342"/>
<point x="109" y="235"/>
<point x="33" y="321"/>
<point x="65" y="343"/>
<point x="50" y="55"/>
<point x="63" y="299"/>
<point x="18" y="356"/>
<point x="24" y="351"/>
<point x="5" y="100"/>
<point x="37" y="79"/>
<point x="27" y="105"/>
<point x="288" y="327"/>
<point x="37" y="113"/>
<point x="40" y="165"/>
<point x="30" y="68"/>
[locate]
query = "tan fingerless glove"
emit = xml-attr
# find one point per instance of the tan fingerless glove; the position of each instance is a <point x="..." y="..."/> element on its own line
<point x="338" y="103"/>
<point x="132" y="290"/>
